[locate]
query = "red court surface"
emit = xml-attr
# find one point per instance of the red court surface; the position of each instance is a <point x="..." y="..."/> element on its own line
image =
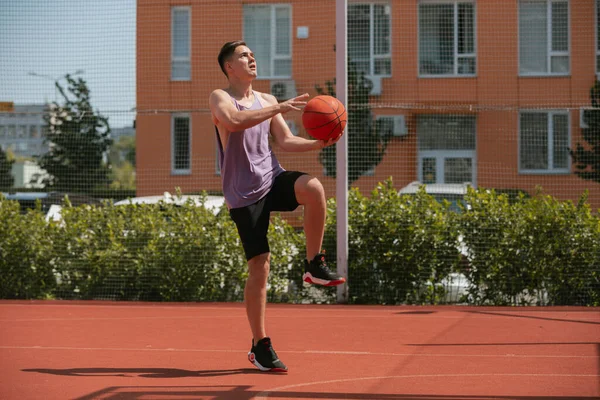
<point x="105" y="350"/>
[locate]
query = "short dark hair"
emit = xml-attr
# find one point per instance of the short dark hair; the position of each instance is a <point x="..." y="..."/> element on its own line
<point x="226" y="51"/>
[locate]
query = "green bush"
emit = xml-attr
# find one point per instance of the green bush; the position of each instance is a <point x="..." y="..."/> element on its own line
<point x="161" y="252"/>
<point x="518" y="250"/>
<point x="26" y="256"/>
<point x="98" y="252"/>
<point x="533" y="251"/>
<point x="400" y="247"/>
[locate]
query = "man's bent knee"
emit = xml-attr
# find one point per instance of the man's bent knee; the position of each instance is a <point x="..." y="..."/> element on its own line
<point x="309" y="189"/>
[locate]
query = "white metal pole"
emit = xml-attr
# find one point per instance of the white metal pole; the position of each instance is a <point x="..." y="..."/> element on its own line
<point x="341" y="89"/>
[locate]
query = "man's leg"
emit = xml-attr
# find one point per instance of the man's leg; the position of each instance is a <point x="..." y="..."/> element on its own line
<point x="310" y="194"/>
<point x="262" y="354"/>
<point x="255" y="294"/>
<point x="252" y="223"/>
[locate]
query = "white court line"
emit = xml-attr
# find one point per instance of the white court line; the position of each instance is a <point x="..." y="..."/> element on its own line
<point x="288" y="316"/>
<point x="265" y="394"/>
<point x="320" y="352"/>
<point x="333" y="308"/>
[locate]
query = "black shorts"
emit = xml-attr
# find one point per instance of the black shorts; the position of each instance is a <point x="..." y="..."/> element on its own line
<point x="253" y="221"/>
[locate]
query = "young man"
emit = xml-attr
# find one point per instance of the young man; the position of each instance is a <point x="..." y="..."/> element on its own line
<point x="254" y="184"/>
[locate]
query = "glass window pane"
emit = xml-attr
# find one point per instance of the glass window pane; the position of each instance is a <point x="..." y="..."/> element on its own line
<point x="282" y="31"/>
<point x="560" y="64"/>
<point x="383" y="66"/>
<point x="181" y="33"/>
<point x="359" y="47"/>
<point x="560" y="26"/>
<point x="257" y="35"/>
<point x="533" y="37"/>
<point x="381" y="29"/>
<point x="466" y="65"/>
<point x="180" y="70"/>
<point x="429" y="170"/>
<point x="436" y="38"/>
<point x="34" y="131"/>
<point x="21" y="131"/>
<point x="534" y="141"/>
<point x="446" y="132"/>
<point x="458" y="170"/>
<point x="283" y="67"/>
<point x="181" y="143"/>
<point x="560" y="123"/>
<point x="466" y="28"/>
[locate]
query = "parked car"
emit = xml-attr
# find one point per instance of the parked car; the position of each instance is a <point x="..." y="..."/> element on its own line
<point x="213" y="203"/>
<point x="456" y="284"/>
<point x="453" y="192"/>
<point x="51" y="202"/>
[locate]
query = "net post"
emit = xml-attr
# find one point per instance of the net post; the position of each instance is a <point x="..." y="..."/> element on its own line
<point x="341" y="69"/>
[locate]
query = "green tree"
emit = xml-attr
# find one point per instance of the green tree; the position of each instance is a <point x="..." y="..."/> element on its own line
<point x="122" y="161"/>
<point x="587" y="158"/>
<point x="79" y="139"/>
<point x="7" y="180"/>
<point x="367" y="140"/>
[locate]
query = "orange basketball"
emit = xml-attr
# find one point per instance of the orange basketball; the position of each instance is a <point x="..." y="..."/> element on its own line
<point x="324" y="117"/>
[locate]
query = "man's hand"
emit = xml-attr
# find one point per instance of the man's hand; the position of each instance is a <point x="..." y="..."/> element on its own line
<point x="330" y="142"/>
<point x="295" y="103"/>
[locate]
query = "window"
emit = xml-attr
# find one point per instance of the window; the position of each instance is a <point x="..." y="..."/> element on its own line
<point x="11" y="131"/>
<point x="369" y="38"/>
<point x="180" y="44"/>
<point x="446" y="148"/>
<point x="544" y="37"/>
<point x="447" y="38"/>
<point x="181" y="144"/>
<point x="268" y="33"/>
<point x="34" y="131"/>
<point x="544" y="142"/>
<point x="21" y="131"/>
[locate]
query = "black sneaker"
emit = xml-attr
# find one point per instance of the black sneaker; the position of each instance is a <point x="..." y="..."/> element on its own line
<point x="317" y="273"/>
<point x="264" y="357"/>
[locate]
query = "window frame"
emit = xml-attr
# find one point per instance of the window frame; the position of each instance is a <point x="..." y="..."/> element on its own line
<point x="456" y="55"/>
<point x="174" y="58"/>
<point x="272" y="40"/>
<point x="550" y="149"/>
<point x="550" y="52"/>
<point x="441" y="154"/>
<point x="372" y="56"/>
<point x="174" y="170"/>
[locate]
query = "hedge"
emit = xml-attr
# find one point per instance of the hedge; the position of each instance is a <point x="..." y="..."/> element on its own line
<point x="402" y="250"/>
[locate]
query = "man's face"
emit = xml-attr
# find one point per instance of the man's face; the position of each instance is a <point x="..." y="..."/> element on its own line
<point x="242" y="62"/>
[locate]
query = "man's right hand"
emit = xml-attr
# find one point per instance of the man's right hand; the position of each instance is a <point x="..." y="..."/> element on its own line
<point x="296" y="103"/>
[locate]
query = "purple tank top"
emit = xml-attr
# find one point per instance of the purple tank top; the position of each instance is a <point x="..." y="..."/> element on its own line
<point x="248" y="165"/>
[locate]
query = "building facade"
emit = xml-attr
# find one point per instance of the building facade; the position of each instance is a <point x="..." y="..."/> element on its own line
<point x="22" y="130"/>
<point x="485" y="91"/>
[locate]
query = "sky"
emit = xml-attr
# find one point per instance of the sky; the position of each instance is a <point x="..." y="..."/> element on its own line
<point x="91" y="39"/>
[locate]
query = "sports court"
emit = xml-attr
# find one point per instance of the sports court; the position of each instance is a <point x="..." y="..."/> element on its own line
<point x="106" y="350"/>
<point x="467" y="177"/>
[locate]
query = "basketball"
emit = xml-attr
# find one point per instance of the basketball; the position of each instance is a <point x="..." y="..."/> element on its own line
<point x="324" y="117"/>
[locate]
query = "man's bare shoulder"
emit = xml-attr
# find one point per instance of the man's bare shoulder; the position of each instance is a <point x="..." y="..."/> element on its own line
<point x="266" y="98"/>
<point x="218" y="93"/>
